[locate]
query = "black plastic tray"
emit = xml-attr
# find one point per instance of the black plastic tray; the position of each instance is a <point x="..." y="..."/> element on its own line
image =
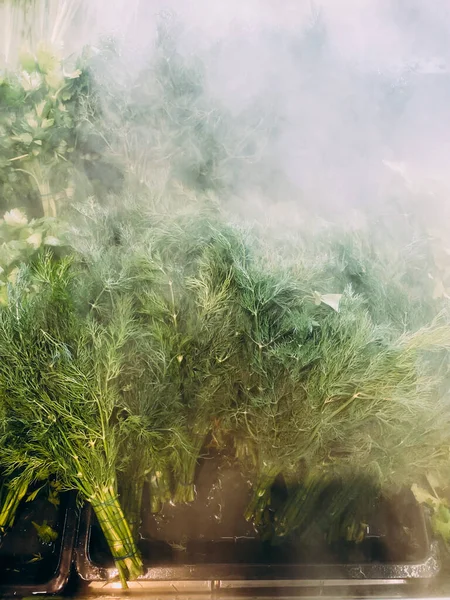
<point x="20" y="577"/>
<point x="228" y="549"/>
<point x="400" y="572"/>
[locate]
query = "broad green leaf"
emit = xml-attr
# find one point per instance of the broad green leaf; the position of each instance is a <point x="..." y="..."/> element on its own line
<point x="23" y="233"/>
<point x="46" y="123"/>
<point x="39" y="108"/>
<point x="32" y="122"/>
<point x="45" y="533"/>
<point x="30" y="81"/>
<point x="35" y="240"/>
<point x="17" y="245"/>
<point x="66" y="95"/>
<point x="8" y="255"/>
<point x="27" y="61"/>
<point x="26" y="138"/>
<point x="54" y="80"/>
<point x="15" y="217"/>
<point x="47" y="59"/>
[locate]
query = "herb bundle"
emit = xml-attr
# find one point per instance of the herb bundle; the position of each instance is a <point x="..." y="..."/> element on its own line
<point x="159" y="334"/>
<point x="59" y="395"/>
<point x="161" y="328"/>
<point x="310" y="385"/>
<point x="331" y="388"/>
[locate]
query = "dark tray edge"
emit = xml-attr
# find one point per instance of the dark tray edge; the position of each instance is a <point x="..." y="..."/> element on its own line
<point x="369" y="573"/>
<point x="57" y="583"/>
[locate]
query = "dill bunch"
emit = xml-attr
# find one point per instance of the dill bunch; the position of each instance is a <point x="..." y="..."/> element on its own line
<point x="164" y="126"/>
<point x="58" y="389"/>
<point x="176" y="273"/>
<point x="376" y="407"/>
<point x="330" y="387"/>
<point x="392" y="276"/>
<point x="173" y="330"/>
<point x="309" y="379"/>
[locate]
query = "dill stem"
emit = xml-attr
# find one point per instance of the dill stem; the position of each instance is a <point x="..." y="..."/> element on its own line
<point x="16" y="491"/>
<point x="118" y="534"/>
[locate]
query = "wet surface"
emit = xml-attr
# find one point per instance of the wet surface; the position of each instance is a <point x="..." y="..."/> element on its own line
<point x="213" y="530"/>
<point x="222" y="495"/>
<point x="24" y="558"/>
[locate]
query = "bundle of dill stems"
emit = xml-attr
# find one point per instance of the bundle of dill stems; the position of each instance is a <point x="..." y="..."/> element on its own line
<point x="122" y="354"/>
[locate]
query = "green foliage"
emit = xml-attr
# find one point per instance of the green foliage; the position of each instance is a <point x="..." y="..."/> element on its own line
<point x="12" y="491"/>
<point x="58" y="391"/>
<point x="308" y="384"/>
<point x="178" y="370"/>
<point x="162" y="332"/>
<point x="159" y="327"/>
<point x="23" y="241"/>
<point x="40" y="131"/>
<point x="45" y="533"/>
<point x="164" y="128"/>
<point x="54" y="489"/>
<point x="339" y="391"/>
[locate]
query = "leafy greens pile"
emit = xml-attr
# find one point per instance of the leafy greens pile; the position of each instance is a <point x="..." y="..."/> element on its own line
<point x="120" y="360"/>
<point x="139" y="328"/>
